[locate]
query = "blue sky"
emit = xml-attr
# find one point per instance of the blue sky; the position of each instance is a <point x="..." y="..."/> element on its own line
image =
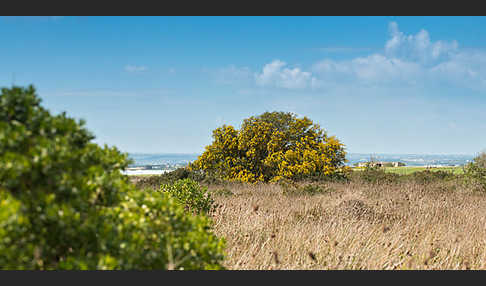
<point x="162" y="84"/>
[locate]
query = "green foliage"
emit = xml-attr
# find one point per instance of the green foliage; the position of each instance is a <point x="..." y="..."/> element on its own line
<point x="153" y="230"/>
<point x="147" y="230"/>
<point x="271" y="147"/>
<point x="40" y="154"/>
<point x="64" y="203"/>
<point x="155" y="181"/>
<point x="180" y="174"/>
<point x="376" y="175"/>
<point x="475" y="172"/>
<point x="427" y="176"/>
<point x="189" y="193"/>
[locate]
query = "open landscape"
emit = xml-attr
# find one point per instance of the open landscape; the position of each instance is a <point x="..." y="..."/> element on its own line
<point x="187" y="143"/>
<point x="421" y="221"/>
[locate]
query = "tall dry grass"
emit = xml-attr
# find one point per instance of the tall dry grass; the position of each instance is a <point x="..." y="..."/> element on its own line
<point x="352" y="226"/>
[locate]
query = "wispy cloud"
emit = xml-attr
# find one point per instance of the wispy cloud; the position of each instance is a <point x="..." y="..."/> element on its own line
<point x="135" y="68"/>
<point x="277" y="74"/>
<point x="419" y="47"/>
<point x="408" y="60"/>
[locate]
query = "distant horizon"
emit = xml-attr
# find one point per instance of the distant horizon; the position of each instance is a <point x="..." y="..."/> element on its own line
<point x="174" y="160"/>
<point x="357" y="153"/>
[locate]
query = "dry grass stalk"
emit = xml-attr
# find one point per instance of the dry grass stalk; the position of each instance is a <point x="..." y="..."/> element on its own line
<point x="356" y="226"/>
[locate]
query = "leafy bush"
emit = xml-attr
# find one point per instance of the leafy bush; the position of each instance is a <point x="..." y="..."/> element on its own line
<point x="376" y="175"/>
<point x="64" y="203"/>
<point x="427" y="176"/>
<point x="270" y="147"/>
<point x="475" y="172"/>
<point x="152" y="230"/>
<point x="181" y="173"/>
<point x="147" y="230"/>
<point x="155" y="181"/>
<point x="189" y="193"/>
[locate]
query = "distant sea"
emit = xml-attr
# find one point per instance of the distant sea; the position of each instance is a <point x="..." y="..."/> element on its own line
<point x="163" y="162"/>
<point x="161" y="159"/>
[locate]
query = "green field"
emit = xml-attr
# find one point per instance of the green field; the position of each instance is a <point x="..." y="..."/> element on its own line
<point x="408" y="170"/>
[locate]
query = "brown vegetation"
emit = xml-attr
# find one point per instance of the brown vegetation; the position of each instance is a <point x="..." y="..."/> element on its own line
<point x="353" y="225"/>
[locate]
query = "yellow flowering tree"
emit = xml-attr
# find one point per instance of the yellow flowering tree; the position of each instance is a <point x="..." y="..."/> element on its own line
<point x="270" y="147"/>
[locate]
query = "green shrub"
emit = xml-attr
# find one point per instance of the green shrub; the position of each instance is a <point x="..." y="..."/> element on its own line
<point x="475" y="172"/>
<point x="427" y="176"/>
<point x="155" y="181"/>
<point x="154" y="231"/>
<point x="181" y="173"/>
<point x="147" y="230"/>
<point x="189" y="193"/>
<point x="64" y="203"/>
<point x="376" y="175"/>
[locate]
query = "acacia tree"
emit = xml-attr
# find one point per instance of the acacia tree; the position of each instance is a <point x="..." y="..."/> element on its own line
<point x="270" y="147"/>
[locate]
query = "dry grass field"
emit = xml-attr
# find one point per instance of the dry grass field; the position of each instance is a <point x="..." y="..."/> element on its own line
<point x="353" y="225"/>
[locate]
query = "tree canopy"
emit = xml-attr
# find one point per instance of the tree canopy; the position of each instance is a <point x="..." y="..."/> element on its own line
<point x="270" y="147"/>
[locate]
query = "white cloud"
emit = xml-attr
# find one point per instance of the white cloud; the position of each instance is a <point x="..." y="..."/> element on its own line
<point x="375" y="68"/>
<point x="464" y="69"/>
<point x="134" y="68"/>
<point x="278" y="75"/>
<point x="418" y="47"/>
<point x="409" y="60"/>
<point x="406" y="60"/>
